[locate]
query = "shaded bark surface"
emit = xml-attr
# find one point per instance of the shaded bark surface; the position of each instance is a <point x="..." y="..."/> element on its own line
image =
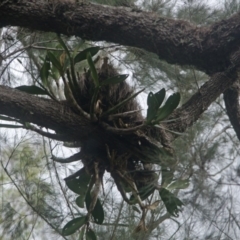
<point x="231" y="98"/>
<point x="176" y="41"/>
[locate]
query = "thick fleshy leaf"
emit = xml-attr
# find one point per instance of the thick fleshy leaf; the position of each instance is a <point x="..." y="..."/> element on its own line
<point x="154" y="101"/>
<point x="172" y="203"/>
<point x="54" y="73"/>
<point x="97" y="213"/>
<point x="149" y="98"/>
<point x="114" y="80"/>
<point x="170" y="105"/>
<point x="81" y="235"/>
<point x="83" y="54"/>
<point x="90" y="235"/>
<point x="151" y="114"/>
<point x="179" y="184"/>
<point x="160" y="95"/>
<point x="55" y="62"/>
<point x="80" y="201"/>
<point x="44" y="71"/>
<point x="93" y="70"/>
<point x="73" y="225"/>
<point x="63" y="45"/>
<point x="32" y="90"/>
<point x="167" y="176"/>
<point x="144" y="193"/>
<point x="79" y="183"/>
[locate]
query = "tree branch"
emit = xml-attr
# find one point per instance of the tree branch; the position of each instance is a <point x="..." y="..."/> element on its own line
<point x="189" y="113"/>
<point x="186" y="43"/>
<point x="45" y="113"/>
<point x="231" y="99"/>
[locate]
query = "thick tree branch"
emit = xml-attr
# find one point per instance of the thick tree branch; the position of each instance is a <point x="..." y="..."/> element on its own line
<point x="58" y="117"/>
<point x="231" y="98"/>
<point x="175" y="41"/>
<point x="189" y="113"/>
<point x="43" y="112"/>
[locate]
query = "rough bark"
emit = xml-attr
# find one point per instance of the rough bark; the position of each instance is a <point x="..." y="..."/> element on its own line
<point x="231" y="98"/>
<point x="176" y="41"/>
<point x="43" y="112"/>
<point x="190" y="111"/>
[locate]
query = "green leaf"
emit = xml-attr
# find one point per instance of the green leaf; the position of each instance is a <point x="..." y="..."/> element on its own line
<point x="154" y="101"/>
<point x="151" y="114"/>
<point x="97" y="213"/>
<point x="93" y="70"/>
<point x="167" y="176"/>
<point x="32" y="90"/>
<point x="79" y="183"/>
<point x="55" y="62"/>
<point x="77" y="46"/>
<point x="55" y="73"/>
<point x="114" y="80"/>
<point x="149" y="98"/>
<point x="179" y="184"/>
<point x="160" y="95"/>
<point x="172" y="203"/>
<point x="144" y="193"/>
<point x="63" y="44"/>
<point x="90" y="235"/>
<point x="170" y="105"/>
<point x="83" y="54"/>
<point x="72" y="226"/>
<point x="44" y="71"/>
<point x="80" y="201"/>
<point x="81" y="235"/>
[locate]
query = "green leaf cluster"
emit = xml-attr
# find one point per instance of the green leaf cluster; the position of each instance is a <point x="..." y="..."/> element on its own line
<point x="172" y="203"/>
<point x="156" y="113"/>
<point x="79" y="183"/>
